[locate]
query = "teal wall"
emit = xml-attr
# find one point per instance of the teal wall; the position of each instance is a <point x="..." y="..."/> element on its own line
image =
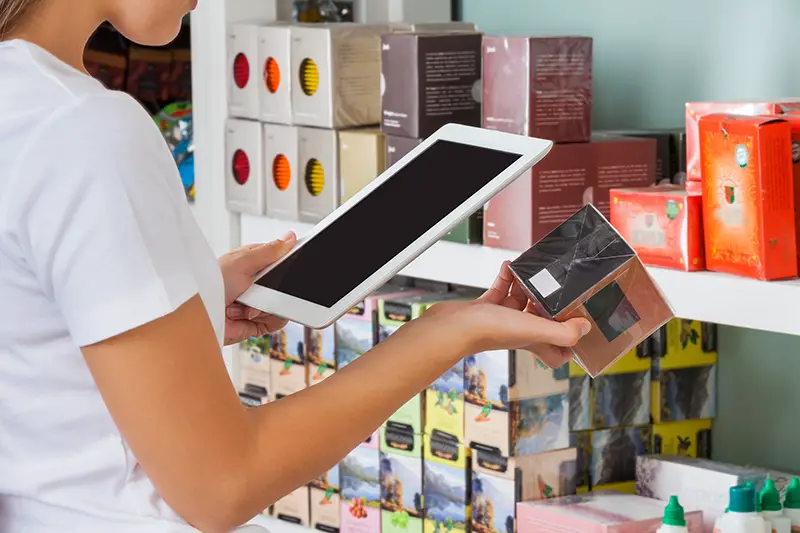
<point x="650" y="58"/>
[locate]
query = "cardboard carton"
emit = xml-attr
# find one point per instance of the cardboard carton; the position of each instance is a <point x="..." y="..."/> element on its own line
<point x="401" y="479"/>
<point x="325" y="501"/>
<point x="243" y="71"/>
<point x="446" y="486"/>
<point x="320" y="188"/>
<point x="283" y="176"/>
<point x="287" y="360"/>
<point x="294" y="507"/>
<point x="690" y="438"/>
<point x="359" y="476"/>
<point x="320" y="354"/>
<point x="244" y="169"/>
<point x="362" y="156"/>
<point x="274" y="64"/>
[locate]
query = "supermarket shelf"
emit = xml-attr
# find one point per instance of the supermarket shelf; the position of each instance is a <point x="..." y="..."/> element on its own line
<point x="706" y="296"/>
<point x="273" y="525"/>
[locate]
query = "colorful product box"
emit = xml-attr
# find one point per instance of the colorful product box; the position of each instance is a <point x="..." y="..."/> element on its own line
<point x="621" y="400"/>
<point x="794" y="120"/>
<point x="243" y="71"/>
<point x="294" y="507"/>
<point x="680" y="394"/>
<point x="336" y="75"/>
<point x="274" y="64"/>
<point x="318" y="156"/>
<point x="325" y="501"/>
<point x="664" y="224"/>
<point x="514" y="405"/>
<point x="430" y="80"/>
<point x="702" y="482"/>
<point x="613" y="291"/>
<point x="697" y="110"/>
<point x="320" y="354"/>
<point x="283" y="178"/>
<point x="407" y="24"/>
<point x="688" y="343"/>
<point x="580" y="406"/>
<point x="602" y="512"/>
<point x="359" y="476"/>
<point x="244" y="170"/>
<point x="614" y="452"/>
<point x="254" y="363"/>
<point x="538" y="86"/>
<point x="444" y="404"/>
<point x="690" y="438"/>
<point x="636" y="360"/>
<point x="362" y="158"/>
<point x="287" y="360"/>
<point x="401" y="480"/>
<point x="748" y="196"/>
<point x="446" y="485"/>
<point x="469" y="231"/>
<point x="582" y="442"/>
<point x="571" y="176"/>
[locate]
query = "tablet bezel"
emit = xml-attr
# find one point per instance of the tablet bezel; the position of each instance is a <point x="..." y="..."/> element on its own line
<point x="531" y="150"/>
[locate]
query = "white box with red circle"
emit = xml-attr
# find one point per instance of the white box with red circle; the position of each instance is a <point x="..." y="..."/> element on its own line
<point x="243" y="71"/>
<point x="282" y="177"/>
<point x="318" y="154"/>
<point x="244" y="167"/>
<point x="274" y="63"/>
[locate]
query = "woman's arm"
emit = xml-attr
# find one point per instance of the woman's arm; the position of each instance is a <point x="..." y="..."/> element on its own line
<point x="219" y="464"/>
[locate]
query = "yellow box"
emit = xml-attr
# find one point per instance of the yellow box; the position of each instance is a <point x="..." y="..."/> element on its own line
<point x="689" y="343"/>
<point x="446" y="487"/>
<point x="691" y="438"/>
<point x="680" y="394"/>
<point x="637" y="360"/>
<point x="627" y="487"/>
<point x="444" y="404"/>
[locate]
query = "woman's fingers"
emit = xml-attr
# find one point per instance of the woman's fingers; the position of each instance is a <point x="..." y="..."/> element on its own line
<point x="517" y="299"/>
<point x="552" y="356"/>
<point x="499" y="290"/>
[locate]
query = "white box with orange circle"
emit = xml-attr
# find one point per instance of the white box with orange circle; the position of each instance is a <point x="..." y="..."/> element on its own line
<point x="336" y="75"/>
<point x="318" y="154"/>
<point x="282" y="176"/>
<point x="243" y="71"/>
<point x="244" y="170"/>
<point x="274" y="63"/>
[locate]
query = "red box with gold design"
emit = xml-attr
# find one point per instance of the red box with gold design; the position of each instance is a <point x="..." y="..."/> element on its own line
<point x="663" y="224"/>
<point x="794" y="120"/>
<point x="696" y="110"/>
<point x="748" y="196"/>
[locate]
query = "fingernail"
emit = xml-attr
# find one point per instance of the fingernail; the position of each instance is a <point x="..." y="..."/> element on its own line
<point x="252" y="313"/>
<point x="235" y="312"/>
<point x="288" y="237"/>
<point x="586" y="328"/>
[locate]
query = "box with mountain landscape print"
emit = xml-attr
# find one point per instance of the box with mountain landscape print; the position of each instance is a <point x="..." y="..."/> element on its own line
<point x="287" y="360"/>
<point x="401" y="480"/>
<point x="360" y="497"/>
<point x="446" y="485"/>
<point x="325" y="501"/>
<point x="444" y="404"/>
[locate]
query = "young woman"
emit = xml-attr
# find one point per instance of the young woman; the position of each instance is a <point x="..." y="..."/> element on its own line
<point x="116" y="412"/>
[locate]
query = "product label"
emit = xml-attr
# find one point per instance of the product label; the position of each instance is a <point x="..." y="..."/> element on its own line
<point x="491" y="460"/>
<point x="444" y="446"/>
<point x="399" y="436"/>
<point x="397" y="312"/>
<point x="358" y="310"/>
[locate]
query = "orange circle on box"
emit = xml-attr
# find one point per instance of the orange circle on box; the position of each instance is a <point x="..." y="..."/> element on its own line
<point x="272" y="75"/>
<point x="315" y="177"/>
<point x="281" y="172"/>
<point x="241" y="71"/>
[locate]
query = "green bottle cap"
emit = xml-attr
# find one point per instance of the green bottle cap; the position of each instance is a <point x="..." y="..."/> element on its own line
<point x="743" y="499"/>
<point x="769" y="497"/>
<point x="758" y="500"/>
<point x="673" y="513"/>
<point x="792" y="497"/>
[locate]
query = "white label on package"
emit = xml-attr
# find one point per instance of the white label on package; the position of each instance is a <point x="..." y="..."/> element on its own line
<point x="545" y="283"/>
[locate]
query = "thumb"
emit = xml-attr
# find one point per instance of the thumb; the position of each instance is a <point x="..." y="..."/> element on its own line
<point x="254" y="259"/>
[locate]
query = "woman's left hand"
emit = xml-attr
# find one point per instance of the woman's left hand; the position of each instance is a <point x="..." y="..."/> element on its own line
<point x="239" y="269"/>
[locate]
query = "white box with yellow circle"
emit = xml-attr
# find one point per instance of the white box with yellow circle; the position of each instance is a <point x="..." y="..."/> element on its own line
<point x="336" y="75"/>
<point x="243" y="71"/>
<point x="244" y="169"/>
<point x="274" y="64"/>
<point x="282" y="177"/>
<point x="318" y="171"/>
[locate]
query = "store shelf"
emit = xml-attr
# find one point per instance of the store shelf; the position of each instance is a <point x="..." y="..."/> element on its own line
<point x="706" y="296"/>
<point x="273" y="525"/>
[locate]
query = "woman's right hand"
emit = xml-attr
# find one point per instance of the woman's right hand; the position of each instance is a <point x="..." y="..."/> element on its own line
<point x="502" y="319"/>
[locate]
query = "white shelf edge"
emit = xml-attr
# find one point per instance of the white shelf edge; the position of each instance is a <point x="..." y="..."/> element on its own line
<point x="706" y="296"/>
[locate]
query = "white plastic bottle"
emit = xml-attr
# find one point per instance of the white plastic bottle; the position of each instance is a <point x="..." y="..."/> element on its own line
<point x="741" y="516"/>
<point x="771" y="510"/>
<point x="674" y="521"/>
<point x="791" y="504"/>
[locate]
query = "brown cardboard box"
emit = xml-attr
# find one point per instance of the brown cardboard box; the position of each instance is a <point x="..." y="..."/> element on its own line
<point x="430" y="80"/>
<point x="583" y="268"/>
<point x="538" y="86"/>
<point x="571" y="176"/>
<point x="362" y="158"/>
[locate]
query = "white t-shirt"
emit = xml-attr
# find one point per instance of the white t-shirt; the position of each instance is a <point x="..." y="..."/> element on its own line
<point x="96" y="238"/>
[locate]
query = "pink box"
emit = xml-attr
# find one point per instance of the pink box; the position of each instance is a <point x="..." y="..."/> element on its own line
<point x="695" y="110"/>
<point x="599" y="512"/>
<point x="360" y="494"/>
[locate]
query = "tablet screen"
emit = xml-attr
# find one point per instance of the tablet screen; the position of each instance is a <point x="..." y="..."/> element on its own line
<point x="384" y="223"/>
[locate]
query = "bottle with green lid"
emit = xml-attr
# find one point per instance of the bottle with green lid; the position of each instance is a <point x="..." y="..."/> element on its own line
<point x="674" y="520"/>
<point x="742" y="516"/>
<point x="791" y="504"/>
<point x="770" y="503"/>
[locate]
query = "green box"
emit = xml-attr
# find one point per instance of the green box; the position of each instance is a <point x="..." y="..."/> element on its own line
<point x="469" y="231"/>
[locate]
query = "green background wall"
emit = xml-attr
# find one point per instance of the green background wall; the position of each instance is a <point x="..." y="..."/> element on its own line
<point x="650" y="58"/>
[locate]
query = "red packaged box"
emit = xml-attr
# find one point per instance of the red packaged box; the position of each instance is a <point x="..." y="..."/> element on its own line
<point x="695" y="110"/>
<point x="663" y="224"/>
<point x="538" y="86"/>
<point x="794" y="120"/>
<point x="748" y="196"/>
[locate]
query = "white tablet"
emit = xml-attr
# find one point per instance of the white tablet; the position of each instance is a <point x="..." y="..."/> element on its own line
<point x="395" y="218"/>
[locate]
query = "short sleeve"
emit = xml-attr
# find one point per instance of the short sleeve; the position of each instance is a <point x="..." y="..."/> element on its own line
<point x="102" y="218"/>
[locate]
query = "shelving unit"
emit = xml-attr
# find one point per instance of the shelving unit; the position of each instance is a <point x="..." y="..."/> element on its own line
<point x="706" y="296"/>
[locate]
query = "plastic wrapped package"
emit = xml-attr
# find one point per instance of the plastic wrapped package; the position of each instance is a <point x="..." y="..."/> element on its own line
<point x="620" y="400"/>
<point x="584" y="268"/>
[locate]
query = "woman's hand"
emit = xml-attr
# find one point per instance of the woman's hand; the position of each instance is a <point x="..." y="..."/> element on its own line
<point x="239" y="269"/>
<point x="502" y="319"/>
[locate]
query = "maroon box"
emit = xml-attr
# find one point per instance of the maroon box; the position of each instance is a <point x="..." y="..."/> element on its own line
<point x="538" y="86"/>
<point x="430" y="80"/>
<point x="571" y="176"/>
<point x="397" y="147"/>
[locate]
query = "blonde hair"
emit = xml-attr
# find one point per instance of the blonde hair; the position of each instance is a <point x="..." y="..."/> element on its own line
<point x="12" y="12"/>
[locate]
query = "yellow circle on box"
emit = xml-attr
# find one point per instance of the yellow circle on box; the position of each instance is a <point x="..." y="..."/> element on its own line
<point x="315" y="177"/>
<point x="309" y="77"/>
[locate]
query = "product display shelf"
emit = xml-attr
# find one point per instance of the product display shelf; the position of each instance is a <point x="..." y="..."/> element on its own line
<point x="705" y="296"/>
<point x="273" y="525"/>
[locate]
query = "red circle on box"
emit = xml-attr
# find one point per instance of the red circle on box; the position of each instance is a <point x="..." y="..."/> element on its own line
<point x="241" y="70"/>
<point x="241" y="167"/>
